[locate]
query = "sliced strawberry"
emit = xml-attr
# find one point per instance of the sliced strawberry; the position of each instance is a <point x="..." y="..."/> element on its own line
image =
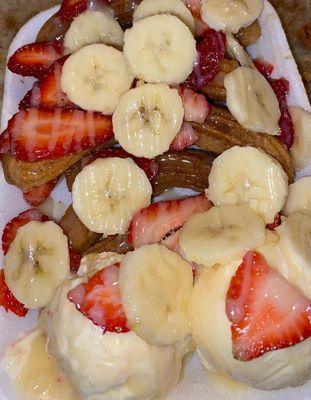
<point x="153" y="223"/>
<point x="211" y="48"/>
<point x="12" y="227"/>
<point x="37" y="195"/>
<point x="195" y="105"/>
<point x="72" y="8"/>
<point x="150" y="167"/>
<point x="75" y="259"/>
<point x="277" y="222"/>
<point x="266" y="311"/>
<point x="4" y="143"/>
<point x="8" y="301"/>
<point x="99" y="300"/>
<point x="35" y="59"/>
<point x="47" y="92"/>
<point x="281" y="90"/>
<point x="47" y="134"/>
<point x="186" y="137"/>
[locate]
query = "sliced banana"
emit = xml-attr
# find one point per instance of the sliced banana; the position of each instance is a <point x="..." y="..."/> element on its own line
<point x="221" y="234"/>
<point x="156" y="285"/>
<point x="148" y="8"/>
<point x="36" y="263"/>
<point x="147" y="119"/>
<point x="301" y="149"/>
<point x="96" y="77"/>
<point x="252" y="101"/>
<point x="238" y="52"/>
<point x="107" y="193"/>
<point x="246" y="175"/>
<point x="295" y="239"/>
<point x="160" y="48"/>
<point x="299" y="197"/>
<point x="230" y="15"/>
<point x="93" y="27"/>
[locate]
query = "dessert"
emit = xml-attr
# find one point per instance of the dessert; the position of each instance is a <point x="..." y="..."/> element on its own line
<point x="135" y="102"/>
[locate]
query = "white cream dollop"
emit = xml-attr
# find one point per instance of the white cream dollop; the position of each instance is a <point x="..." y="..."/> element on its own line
<point x="212" y="331"/>
<point x="112" y="366"/>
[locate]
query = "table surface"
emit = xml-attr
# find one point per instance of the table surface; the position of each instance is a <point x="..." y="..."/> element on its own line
<point x="294" y="14"/>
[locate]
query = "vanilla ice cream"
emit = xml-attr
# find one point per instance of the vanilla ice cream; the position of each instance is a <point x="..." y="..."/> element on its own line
<point x="107" y="365"/>
<point x="212" y="330"/>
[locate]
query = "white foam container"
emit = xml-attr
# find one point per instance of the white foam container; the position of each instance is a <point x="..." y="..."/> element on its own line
<point x="272" y="47"/>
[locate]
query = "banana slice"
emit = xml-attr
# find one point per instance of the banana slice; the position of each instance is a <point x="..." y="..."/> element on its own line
<point x="295" y="239"/>
<point x="93" y="27"/>
<point x="108" y="192"/>
<point x="230" y="15"/>
<point x="147" y="119"/>
<point x="252" y="101"/>
<point x="156" y="285"/>
<point x="246" y="175"/>
<point x="96" y="77"/>
<point x="36" y="263"/>
<point x="148" y="8"/>
<point x="236" y="51"/>
<point x="301" y="149"/>
<point x="160" y="48"/>
<point x="299" y="197"/>
<point x="221" y="234"/>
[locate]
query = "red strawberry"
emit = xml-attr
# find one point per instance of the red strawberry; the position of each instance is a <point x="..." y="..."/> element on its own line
<point x="4" y="143"/>
<point x="47" y="92"/>
<point x="153" y="223"/>
<point x="266" y="311"/>
<point x="47" y="134"/>
<point x="195" y="105"/>
<point x="8" y="301"/>
<point x="211" y="48"/>
<point x="186" y="137"/>
<point x="277" y="222"/>
<point x="72" y="8"/>
<point x="150" y="167"/>
<point x="99" y="300"/>
<point x="11" y="227"/>
<point x="37" y="195"/>
<point x="35" y="59"/>
<point x="75" y="259"/>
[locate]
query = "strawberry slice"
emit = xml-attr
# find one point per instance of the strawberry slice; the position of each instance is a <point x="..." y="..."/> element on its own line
<point x="4" y="143"/>
<point x="211" y="48"/>
<point x="37" y="195"/>
<point x="186" y="137"/>
<point x="47" y="92"/>
<point x="150" y="167"/>
<point x="71" y="9"/>
<point x="48" y="134"/>
<point x="195" y="105"/>
<point x="35" y="59"/>
<point x="266" y="311"/>
<point x="277" y="222"/>
<point x="8" y="301"/>
<point x="12" y="227"/>
<point x="153" y="223"/>
<point x="99" y="300"/>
